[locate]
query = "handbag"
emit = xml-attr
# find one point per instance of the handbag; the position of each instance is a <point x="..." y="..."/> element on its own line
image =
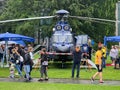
<point x="31" y="62"/>
<point x="21" y="59"/>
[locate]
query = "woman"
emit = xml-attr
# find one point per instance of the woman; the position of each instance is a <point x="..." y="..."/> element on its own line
<point x="16" y="57"/>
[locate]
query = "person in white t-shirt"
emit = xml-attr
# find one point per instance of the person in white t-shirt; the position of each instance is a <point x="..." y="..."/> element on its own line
<point x="113" y="55"/>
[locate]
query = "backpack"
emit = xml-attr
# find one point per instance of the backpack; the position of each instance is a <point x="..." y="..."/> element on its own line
<point x="28" y="59"/>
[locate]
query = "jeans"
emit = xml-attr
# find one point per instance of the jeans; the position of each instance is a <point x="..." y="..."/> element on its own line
<point x="21" y="66"/>
<point x="18" y="69"/>
<point x="27" y="71"/>
<point x="78" y="69"/>
<point x="103" y="62"/>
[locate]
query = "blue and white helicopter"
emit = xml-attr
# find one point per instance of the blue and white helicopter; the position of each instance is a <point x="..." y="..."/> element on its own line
<point x="62" y="41"/>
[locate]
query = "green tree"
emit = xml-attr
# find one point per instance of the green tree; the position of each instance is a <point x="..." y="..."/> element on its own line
<point x="35" y="8"/>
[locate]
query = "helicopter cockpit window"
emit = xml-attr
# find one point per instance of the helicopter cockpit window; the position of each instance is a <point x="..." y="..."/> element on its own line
<point x="66" y="27"/>
<point x="59" y="27"/>
<point x="62" y="38"/>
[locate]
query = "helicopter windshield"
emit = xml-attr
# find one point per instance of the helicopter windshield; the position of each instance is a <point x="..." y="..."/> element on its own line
<point x="62" y="38"/>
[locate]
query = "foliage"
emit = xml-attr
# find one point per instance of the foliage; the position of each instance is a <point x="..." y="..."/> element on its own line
<point x="34" y="8"/>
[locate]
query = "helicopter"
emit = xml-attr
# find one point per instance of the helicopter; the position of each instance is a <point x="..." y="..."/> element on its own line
<point x="62" y="40"/>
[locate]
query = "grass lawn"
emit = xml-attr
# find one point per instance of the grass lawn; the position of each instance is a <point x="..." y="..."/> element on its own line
<point x="54" y="72"/>
<point x="108" y="74"/>
<point x="47" y="86"/>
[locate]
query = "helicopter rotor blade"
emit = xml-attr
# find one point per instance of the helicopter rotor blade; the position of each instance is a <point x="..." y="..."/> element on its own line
<point x="96" y="19"/>
<point x="26" y="19"/>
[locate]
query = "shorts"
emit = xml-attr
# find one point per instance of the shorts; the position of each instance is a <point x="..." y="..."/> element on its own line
<point x="113" y="58"/>
<point x="99" y="70"/>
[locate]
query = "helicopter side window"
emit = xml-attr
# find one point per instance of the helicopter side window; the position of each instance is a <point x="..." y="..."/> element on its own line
<point x="85" y="39"/>
<point x="79" y="41"/>
<point x="70" y="38"/>
<point x="55" y="38"/>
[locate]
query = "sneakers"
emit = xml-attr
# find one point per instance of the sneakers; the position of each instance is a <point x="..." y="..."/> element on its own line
<point x="46" y="79"/>
<point x="112" y="64"/>
<point x="11" y="77"/>
<point x="101" y="81"/>
<point x="40" y="79"/>
<point x="26" y="80"/>
<point x="92" y="79"/>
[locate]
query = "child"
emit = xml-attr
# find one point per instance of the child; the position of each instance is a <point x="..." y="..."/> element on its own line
<point x="44" y="65"/>
<point x="12" y="70"/>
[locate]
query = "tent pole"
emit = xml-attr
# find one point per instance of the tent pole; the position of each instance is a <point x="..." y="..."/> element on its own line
<point x="6" y="53"/>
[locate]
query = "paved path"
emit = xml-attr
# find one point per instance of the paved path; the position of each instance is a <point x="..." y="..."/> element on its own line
<point x="67" y="81"/>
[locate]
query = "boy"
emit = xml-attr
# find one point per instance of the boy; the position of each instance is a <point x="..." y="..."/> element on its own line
<point x="98" y="62"/>
<point x="44" y="65"/>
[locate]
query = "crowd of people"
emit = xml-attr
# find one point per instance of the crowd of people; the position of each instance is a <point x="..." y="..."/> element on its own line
<point x="100" y="60"/>
<point x="21" y="59"/>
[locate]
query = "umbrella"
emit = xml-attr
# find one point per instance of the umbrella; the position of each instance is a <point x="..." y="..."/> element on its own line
<point x="92" y="64"/>
<point x="9" y="42"/>
<point x="13" y="37"/>
<point x="22" y="43"/>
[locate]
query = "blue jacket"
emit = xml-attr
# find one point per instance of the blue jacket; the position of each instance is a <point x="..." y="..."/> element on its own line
<point x="77" y="56"/>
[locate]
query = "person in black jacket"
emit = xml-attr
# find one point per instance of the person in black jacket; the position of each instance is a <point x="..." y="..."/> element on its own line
<point x="76" y="61"/>
<point x="27" y="63"/>
<point x="16" y="61"/>
<point x="44" y="65"/>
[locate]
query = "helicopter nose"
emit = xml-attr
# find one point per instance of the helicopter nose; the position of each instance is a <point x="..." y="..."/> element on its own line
<point x="63" y="48"/>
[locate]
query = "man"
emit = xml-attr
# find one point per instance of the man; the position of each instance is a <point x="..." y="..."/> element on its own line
<point x="44" y="65"/>
<point x="27" y="64"/>
<point x="76" y="61"/>
<point x="104" y="57"/>
<point x="98" y="62"/>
